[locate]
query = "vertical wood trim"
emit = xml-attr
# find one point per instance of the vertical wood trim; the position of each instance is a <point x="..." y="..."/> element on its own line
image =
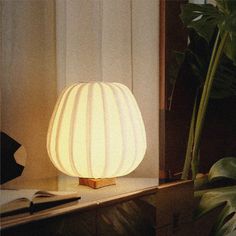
<point x="162" y="90"/>
<point x="162" y="53"/>
<point x="172" y="38"/>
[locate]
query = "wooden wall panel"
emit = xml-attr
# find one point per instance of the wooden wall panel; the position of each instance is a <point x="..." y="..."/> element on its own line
<point x="173" y="124"/>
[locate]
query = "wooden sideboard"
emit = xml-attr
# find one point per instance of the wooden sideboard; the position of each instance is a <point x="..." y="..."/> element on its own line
<point x="134" y="206"/>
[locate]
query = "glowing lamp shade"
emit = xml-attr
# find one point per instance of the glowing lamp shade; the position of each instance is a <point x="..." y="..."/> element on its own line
<point x="96" y="131"/>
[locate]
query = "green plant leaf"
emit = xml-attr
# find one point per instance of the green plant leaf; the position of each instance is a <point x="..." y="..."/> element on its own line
<point x="225" y="224"/>
<point x="196" y="59"/>
<point x="174" y="67"/>
<point x="224" y="168"/>
<point x="203" y="18"/>
<point x="201" y="182"/>
<point x="188" y="157"/>
<point x="224" y="84"/>
<point x="227" y="6"/>
<point x="173" y="73"/>
<point x="230" y="26"/>
<point x="226" y="221"/>
<point x="230" y="49"/>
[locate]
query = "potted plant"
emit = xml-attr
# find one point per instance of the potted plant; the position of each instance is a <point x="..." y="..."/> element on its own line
<point x="212" y="29"/>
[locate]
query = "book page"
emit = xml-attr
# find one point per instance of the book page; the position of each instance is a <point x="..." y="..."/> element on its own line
<point x="12" y="201"/>
<point x="53" y="193"/>
<point x="7" y="196"/>
<point x="51" y="196"/>
<point x="17" y="201"/>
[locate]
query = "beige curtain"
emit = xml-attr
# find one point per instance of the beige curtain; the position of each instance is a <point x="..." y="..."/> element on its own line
<point x="28" y="79"/>
<point x="50" y="44"/>
<point x="114" y="40"/>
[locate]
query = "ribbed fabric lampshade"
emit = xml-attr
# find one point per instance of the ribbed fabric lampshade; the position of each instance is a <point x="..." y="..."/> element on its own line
<point x="96" y="131"/>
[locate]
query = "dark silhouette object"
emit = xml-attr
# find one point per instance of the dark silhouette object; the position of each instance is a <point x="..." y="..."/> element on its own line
<point x="10" y="169"/>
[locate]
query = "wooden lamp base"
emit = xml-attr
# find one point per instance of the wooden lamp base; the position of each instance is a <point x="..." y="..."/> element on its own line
<point x="97" y="183"/>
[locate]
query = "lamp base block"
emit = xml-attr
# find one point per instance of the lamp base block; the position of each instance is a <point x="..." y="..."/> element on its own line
<point x="97" y="183"/>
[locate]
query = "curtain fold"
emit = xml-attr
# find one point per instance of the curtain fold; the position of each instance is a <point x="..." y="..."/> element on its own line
<point x="114" y="41"/>
<point x="29" y="79"/>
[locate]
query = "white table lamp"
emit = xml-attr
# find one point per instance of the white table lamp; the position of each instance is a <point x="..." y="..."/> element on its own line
<point x="96" y="131"/>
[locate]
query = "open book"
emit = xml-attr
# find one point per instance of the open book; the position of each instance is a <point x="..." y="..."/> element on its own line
<point x="31" y="200"/>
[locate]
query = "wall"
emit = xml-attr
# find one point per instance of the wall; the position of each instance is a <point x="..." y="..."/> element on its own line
<point x="48" y="45"/>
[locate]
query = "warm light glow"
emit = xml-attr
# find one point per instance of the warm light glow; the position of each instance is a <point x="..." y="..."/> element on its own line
<point x="96" y="131"/>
